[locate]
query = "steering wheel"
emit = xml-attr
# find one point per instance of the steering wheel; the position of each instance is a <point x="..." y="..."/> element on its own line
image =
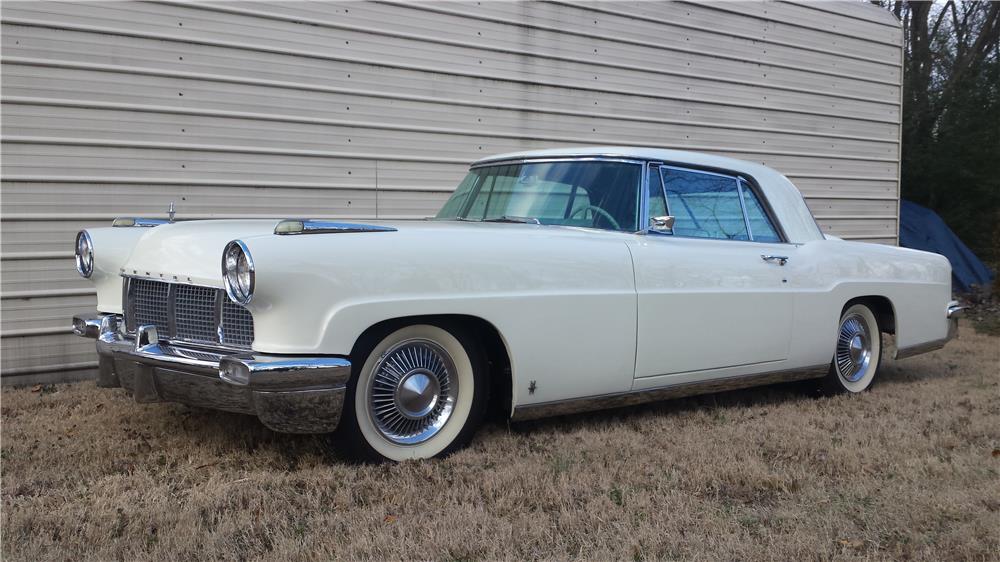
<point x="597" y="211"/>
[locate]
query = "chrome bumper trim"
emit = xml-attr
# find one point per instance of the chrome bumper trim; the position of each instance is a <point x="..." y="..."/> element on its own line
<point x="289" y="394"/>
<point x="572" y="406"/>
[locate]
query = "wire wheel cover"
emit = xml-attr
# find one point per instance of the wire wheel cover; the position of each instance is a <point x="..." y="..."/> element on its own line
<point x="412" y="391"/>
<point x="854" y="348"/>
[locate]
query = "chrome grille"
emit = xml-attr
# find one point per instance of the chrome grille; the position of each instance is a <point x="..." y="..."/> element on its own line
<point x="150" y="304"/>
<point x="237" y="324"/>
<point x="195" y="313"/>
<point x="190" y="313"/>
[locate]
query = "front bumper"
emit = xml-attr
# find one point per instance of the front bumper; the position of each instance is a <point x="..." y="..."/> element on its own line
<point x="291" y="394"/>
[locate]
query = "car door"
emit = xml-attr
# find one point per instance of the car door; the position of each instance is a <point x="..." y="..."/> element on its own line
<point x="712" y="295"/>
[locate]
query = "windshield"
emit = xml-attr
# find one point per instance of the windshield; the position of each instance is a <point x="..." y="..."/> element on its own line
<point x="593" y="194"/>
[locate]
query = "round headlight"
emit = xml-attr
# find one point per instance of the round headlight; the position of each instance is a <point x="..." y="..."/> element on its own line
<point x="237" y="272"/>
<point x="84" y="254"/>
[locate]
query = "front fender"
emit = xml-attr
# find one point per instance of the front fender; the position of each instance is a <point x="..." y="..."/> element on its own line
<point x="564" y="304"/>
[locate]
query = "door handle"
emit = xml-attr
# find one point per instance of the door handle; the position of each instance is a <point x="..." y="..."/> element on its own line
<point x="782" y="260"/>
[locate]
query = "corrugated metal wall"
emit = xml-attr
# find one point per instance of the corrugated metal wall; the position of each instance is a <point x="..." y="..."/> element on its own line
<point x="373" y="109"/>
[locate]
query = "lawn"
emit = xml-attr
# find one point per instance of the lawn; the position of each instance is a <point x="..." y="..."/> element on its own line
<point x="909" y="470"/>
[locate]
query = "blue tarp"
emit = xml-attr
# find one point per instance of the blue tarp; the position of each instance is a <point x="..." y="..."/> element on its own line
<point x="922" y="229"/>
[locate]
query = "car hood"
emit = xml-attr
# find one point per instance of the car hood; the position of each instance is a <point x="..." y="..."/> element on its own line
<point x="191" y="251"/>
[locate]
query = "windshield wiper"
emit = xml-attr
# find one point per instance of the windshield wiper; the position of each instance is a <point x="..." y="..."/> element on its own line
<point x="521" y="220"/>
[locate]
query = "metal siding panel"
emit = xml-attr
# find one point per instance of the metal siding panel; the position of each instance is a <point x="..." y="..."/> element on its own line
<point x="557" y="55"/>
<point x="467" y="72"/>
<point x="373" y="109"/>
<point x="28" y="274"/>
<point x="123" y="86"/>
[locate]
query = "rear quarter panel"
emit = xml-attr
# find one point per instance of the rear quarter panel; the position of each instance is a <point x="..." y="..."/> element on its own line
<point x="831" y="273"/>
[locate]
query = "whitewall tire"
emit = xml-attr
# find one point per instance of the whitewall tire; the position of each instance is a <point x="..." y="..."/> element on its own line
<point x="419" y="393"/>
<point x="858" y="353"/>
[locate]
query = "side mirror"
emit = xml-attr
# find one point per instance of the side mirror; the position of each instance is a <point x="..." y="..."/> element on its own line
<point x="664" y="224"/>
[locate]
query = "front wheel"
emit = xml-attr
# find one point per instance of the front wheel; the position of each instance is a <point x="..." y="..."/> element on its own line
<point x="421" y="392"/>
<point x="858" y="352"/>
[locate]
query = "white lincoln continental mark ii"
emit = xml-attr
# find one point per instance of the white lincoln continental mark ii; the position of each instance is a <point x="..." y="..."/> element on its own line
<point x="550" y="282"/>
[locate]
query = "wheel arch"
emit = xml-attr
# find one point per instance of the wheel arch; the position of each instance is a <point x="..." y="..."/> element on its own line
<point x="881" y="306"/>
<point x="490" y="339"/>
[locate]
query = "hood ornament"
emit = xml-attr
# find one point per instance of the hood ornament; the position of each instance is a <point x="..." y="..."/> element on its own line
<point x="171" y="212"/>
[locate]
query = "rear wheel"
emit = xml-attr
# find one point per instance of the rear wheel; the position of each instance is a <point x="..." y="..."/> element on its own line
<point x="858" y="353"/>
<point x="419" y="392"/>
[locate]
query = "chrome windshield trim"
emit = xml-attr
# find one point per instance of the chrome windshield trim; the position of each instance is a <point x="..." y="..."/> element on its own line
<point x="293" y="227"/>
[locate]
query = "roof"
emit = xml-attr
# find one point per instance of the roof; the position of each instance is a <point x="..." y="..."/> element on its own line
<point x="784" y="198"/>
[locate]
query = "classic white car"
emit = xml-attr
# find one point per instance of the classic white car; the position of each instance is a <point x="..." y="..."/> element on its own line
<point x="550" y="282"/>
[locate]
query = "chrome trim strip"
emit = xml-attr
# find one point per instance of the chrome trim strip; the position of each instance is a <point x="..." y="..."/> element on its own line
<point x="956" y="310"/>
<point x="743" y="207"/>
<point x="632" y="398"/>
<point x="642" y="221"/>
<point x="128" y="222"/>
<point x="293" y="227"/>
<point x="581" y="158"/>
<point x="904" y="352"/>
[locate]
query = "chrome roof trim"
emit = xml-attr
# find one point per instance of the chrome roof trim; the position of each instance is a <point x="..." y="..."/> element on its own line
<point x="290" y="227"/>
<point x="501" y="161"/>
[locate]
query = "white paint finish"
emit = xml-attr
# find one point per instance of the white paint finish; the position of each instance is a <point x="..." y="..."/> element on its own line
<point x="582" y="312"/>
<point x="709" y="304"/>
<point x="569" y="323"/>
<point x="115" y="245"/>
<point x="116" y="109"/>
<point x="187" y="252"/>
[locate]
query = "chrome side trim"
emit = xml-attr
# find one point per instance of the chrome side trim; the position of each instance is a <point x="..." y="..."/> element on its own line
<point x="128" y="222"/>
<point x="291" y="227"/>
<point x="904" y="352"/>
<point x="632" y="398"/>
<point x="956" y="310"/>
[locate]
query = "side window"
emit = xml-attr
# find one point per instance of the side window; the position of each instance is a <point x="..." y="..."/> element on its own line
<point x="704" y="205"/>
<point x="760" y="225"/>
<point x="657" y="203"/>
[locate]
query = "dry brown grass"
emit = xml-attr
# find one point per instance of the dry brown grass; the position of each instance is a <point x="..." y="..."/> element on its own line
<point x="910" y="470"/>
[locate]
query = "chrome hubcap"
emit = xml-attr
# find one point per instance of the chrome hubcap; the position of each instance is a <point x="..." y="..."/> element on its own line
<point x="417" y="394"/>
<point x="854" y="351"/>
<point x="412" y="392"/>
